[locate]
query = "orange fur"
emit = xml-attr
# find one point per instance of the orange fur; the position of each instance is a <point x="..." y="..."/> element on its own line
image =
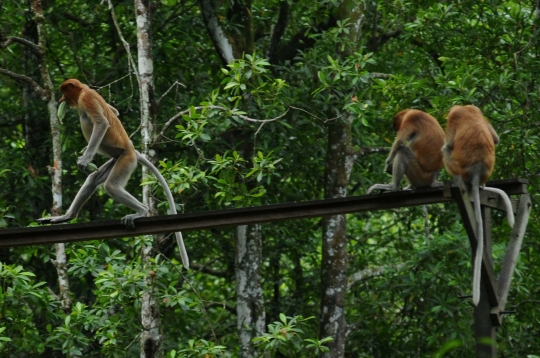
<point x="471" y="140"/>
<point x="469" y="151"/>
<point x="425" y="137"/>
<point x="86" y="100"/>
<point x="416" y="151"/>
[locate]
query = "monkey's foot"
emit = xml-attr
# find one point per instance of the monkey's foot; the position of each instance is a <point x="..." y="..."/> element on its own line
<point x="129" y="220"/>
<point x="437" y="184"/>
<point x="382" y="187"/>
<point x="55" y="219"/>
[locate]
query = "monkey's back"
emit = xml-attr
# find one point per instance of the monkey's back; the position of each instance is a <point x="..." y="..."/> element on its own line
<point x="116" y="140"/>
<point x="473" y="142"/>
<point x="425" y="136"/>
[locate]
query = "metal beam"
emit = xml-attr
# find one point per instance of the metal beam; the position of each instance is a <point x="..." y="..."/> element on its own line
<point x="233" y="217"/>
<point x="514" y="247"/>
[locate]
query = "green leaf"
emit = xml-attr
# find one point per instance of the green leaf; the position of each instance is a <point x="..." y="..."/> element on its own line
<point x="61" y="111"/>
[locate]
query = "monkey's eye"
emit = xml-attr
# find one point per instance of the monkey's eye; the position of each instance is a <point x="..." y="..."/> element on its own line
<point x="71" y="85"/>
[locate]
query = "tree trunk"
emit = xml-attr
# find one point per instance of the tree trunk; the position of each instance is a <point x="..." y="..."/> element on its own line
<point x="56" y="170"/>
<point x="334" y="246"/>
<point x="35" y="124"/>
<point x="150" y="320"/>
<point x="251" y="316"/>
<point x="339" y="163"/>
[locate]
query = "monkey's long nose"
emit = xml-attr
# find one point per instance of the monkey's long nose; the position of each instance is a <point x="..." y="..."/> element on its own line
<point x="62" y="99"/>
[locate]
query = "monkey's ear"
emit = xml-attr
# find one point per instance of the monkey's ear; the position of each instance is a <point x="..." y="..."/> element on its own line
<point x="71" y="85"/>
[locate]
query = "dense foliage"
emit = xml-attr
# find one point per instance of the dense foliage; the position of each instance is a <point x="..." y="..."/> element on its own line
<point x="425" y="54"/>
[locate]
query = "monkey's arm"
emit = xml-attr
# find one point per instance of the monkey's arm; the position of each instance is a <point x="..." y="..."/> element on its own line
<point x="116" y="113"/>
<point x="398" y="144"/>
<point x="494" y="134"/>
<point x="403" y="135"/>
<point x="99" y="129"/>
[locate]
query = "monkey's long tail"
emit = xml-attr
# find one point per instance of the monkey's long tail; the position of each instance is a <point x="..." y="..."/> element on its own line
<point x="172" y="207"/>
<point x="507" y="203"/>
<point x="475" y="189"/>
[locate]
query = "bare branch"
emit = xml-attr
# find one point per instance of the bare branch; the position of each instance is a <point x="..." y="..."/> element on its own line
<point x="32" y="46"/>
<point x="381" y="75"/>
<point x="370" y="273"/>
<point x="219" y="38"/>
<point x="176" y="83"/>
<point x="314" y="116"/>
<point x="111" y="83"/>
<point x="28" y="80"/>
<point x="175" y="117"/>
<point x="366" y="151"/>
<point x="124" y="42"/>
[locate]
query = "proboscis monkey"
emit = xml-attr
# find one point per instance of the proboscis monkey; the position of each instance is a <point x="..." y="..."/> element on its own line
<point x="469" y="151"/>
<point x="416" y="152"/>
<point x="106" y="135"/>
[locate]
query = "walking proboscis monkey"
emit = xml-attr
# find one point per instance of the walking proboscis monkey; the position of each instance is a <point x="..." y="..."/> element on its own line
<point x="416" y="152"/>
<point x="469" y="151"/>
<point x="106" y="135"/>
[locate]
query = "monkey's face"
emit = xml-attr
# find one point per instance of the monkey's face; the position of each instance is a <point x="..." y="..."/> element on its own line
<point x="71" y="90"/>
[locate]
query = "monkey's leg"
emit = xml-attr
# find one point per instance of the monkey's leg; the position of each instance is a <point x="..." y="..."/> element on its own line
<point x="89" y="187"/>
<point x="399" y="169"/>
<point x="418" y="177"/>
<point x="435" y="183"/>
<point x="117" y="180"/>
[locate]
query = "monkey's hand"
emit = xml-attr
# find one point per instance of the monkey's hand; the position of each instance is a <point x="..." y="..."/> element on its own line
<point x="388" y="167"/>
<point x="83" y="162"/>
<point x="447" y="149"/>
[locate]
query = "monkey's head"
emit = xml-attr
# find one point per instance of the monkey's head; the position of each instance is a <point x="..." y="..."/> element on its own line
<point x="71" y="90"/>
<point x="398" y="118"/>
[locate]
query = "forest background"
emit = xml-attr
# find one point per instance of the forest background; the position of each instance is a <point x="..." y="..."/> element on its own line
<point x="252" y="102"/>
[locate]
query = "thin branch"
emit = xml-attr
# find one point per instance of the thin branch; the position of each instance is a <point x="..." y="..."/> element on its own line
<point x="223" y="305"/>
<point x="314" y="116"/>
<point x="176" y="83"/>
<point x="370" y="273"/>
<point x="246" y="118"/>
<point x="111" y="83"/>
<point x="32" y="46"/>
<point x="366" y="151"/>
<point x="124" y="42"/>
<point x="22" y="78"/>
<point x="381" y="75"/>
<point x="209" y="270"/>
